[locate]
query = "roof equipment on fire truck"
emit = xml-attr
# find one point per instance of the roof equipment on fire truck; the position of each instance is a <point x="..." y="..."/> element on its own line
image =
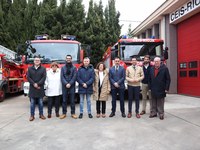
<point x="9" y="54"/>
<point x="68" y="37"/>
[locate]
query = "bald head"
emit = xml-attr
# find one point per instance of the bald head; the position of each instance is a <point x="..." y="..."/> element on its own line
<point x="157" y="62"/>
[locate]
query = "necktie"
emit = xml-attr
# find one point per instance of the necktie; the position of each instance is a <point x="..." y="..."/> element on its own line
<point x="116" y="69"/>
<point x="134" y="67"/>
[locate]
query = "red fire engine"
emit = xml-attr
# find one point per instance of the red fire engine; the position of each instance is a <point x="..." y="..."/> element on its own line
<point x="53" y="50"/>
<point x="11" y="73"/>
<point x="128" y="48"/>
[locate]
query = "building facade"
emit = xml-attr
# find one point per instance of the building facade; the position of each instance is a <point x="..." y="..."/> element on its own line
<point x="177" y="22"/>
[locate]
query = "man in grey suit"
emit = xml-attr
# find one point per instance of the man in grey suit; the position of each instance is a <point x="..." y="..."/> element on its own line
<point x="117" y="77"/>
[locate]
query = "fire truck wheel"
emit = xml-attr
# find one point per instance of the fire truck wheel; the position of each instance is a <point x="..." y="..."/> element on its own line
<point x="2" y="95"/>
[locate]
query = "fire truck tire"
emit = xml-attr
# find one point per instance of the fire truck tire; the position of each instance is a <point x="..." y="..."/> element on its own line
<point x="3" y="93"/>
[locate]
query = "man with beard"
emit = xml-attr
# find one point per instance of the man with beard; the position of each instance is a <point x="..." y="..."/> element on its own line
<point x="68" y="78"/>
<point x="145" y="87"/>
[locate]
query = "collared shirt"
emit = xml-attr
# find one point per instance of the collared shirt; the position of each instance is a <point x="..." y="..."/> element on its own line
<point x="146" y="66"/>
<point x="36" y="67"/>
<point x="116" y="67"/>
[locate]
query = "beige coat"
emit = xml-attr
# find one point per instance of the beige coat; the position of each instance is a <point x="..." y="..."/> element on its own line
<point x="105" y="90"/>
<point x="136" y="74"/>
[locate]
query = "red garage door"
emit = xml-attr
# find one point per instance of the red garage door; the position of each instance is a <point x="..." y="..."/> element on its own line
<point x="189" y="56"/>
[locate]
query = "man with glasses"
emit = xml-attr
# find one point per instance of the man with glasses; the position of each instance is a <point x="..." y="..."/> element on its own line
<point x="117" y="77"/>
<point x="36" y="77"/>
<point x="68" y="78"/>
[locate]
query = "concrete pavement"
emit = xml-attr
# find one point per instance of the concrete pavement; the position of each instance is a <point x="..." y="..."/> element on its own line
<point x="180" y="130"/>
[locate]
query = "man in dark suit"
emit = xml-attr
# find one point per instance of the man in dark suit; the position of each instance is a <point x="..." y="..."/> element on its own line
<point x="36" y="76"/>
<point x="159" y="83"/>
<point x="117" y="77"/>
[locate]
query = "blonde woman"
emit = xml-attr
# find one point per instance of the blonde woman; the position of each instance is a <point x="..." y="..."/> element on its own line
<point x="53" y="88"/>
<point x="101" y="89"/>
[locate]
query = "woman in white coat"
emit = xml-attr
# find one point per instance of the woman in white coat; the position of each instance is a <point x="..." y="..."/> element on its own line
<point x="53" y="88"/>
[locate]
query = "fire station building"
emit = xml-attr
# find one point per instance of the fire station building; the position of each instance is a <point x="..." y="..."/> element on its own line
<point x="177" y="22"/>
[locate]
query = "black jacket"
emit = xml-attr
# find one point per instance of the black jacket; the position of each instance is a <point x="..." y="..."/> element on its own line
<point x="146" y="74"/>
<point x="36" y="76"/>
<point x="160" y="83"/>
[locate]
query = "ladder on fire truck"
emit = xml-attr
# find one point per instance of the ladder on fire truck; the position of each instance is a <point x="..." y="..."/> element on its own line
<point x="9" y="54"/>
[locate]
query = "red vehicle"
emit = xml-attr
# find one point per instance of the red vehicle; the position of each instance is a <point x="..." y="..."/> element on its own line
<point x="52" y="50"/>
<point x="11" y="73"/>
<point x="128" y="48"/>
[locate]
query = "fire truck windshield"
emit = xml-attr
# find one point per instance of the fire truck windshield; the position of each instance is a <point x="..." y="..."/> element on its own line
<point x="53" y="52"/>
<point x="139" y="50"/>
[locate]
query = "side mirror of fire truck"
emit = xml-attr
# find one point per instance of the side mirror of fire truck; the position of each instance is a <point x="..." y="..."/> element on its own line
<point x="165" y="53"/>
<point x="81" y="55"/>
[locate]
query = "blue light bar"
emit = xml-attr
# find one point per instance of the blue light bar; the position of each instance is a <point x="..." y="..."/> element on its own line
<point x="41" y="37"/>
<point x="68" y="37"/>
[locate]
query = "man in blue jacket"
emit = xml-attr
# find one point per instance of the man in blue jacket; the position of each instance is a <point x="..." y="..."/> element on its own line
<point x="68" y="79"/>
<point x="117" y="76"/>
<point x="85" y="79"/>
<point x="159" y="83"/>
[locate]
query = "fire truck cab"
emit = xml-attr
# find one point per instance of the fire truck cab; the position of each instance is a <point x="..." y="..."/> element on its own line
<point x="53" y="50"/>
<point x="128" y="48"/>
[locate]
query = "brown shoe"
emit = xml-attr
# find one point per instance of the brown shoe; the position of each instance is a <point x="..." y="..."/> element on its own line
<point x="63" y="116"/>
<point x="103" y="115"/>
<point x="137" y="116"/>
<point x="31" y="118"/>
<point x="42" y="117"/>
<point x="143" y="112"/>
<point x="74" y="116"/>
<point x="49" y="116"/>
<point x="57" y="115"/>
<point x="98" y="115"/>
<point x="129" y="115"/>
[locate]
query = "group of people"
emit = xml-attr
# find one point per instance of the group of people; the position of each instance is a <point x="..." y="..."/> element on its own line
<point x="99" y="82"/>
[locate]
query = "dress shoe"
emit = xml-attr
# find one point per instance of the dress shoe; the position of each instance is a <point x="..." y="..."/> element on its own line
<point x="57" y="115"/>
<point x="49" y="116"/>
<point x="103" y="115"/>
<point x="143" y="112"/>
<point x="42" y="117"/>
<point x="129" y="115"/>
<point x="112" y="114"/>
<point x="123" y="115"/>
<point x="31" y="118"/>
<point x="74" y="116"/>
<point x="137" y="116"/>
<point x="161" y="117"/>
<point x="80" y="116"/>
<point x="63" y="116"/>
<point x="98" y="115"/>
<point x="152" y="116"/>
<point x="90" y="116"/>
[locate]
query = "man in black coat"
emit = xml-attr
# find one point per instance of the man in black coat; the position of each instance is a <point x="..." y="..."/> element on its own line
<point x="36" y="77"/>
<point x="159" y="83"/>
<point x="68" y="79"/>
